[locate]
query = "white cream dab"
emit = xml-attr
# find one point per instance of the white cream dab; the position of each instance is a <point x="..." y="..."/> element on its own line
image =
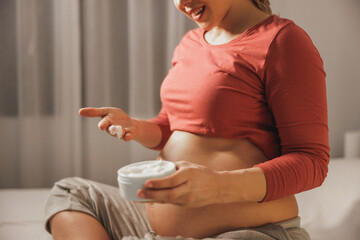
<point x="145" y="169"/>
<point x="116" y="131"/>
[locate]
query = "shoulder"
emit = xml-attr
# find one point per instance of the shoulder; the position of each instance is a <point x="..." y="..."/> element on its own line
<point x="191" y="41"/>
<point x="292" y="56"/>
<point x="192" y="37"/>
<point x="289" y="35"/>
<point x="194" y="33"/>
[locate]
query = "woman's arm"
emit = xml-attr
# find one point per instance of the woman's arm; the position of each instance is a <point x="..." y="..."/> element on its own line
<point x="146" y="132"/>
<point x="149" y="133"/>
<point x="294" y="81"/>
<point x="245" y="185"/>
<point x="194" y="185"/>
<point x="162" y="121"/>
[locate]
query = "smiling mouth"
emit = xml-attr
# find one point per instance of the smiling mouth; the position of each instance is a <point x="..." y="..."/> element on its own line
<point x="197" y="14"/>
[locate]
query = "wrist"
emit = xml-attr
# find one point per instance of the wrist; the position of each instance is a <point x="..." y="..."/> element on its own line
<point x="136" y="123"/>
<point x="230" y="189"/>
<point x="148" y="133"/>
<point x="243" y="185"/>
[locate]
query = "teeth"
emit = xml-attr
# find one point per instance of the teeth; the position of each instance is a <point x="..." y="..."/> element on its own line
<point x="199" y="10"/>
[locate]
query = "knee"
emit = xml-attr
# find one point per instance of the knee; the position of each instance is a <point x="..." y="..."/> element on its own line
<point x="68" y="216"/>
<point x="70" y="194"/>
<point x="76" y="225"/>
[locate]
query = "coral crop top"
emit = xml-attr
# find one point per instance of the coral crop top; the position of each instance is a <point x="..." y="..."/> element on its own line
<point x="266" y="85"/>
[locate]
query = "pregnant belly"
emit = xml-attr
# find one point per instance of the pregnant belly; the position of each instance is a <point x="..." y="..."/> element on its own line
<point x="207" y="221"/>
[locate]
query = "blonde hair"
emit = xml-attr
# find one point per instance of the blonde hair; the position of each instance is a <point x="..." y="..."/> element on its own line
<point x="263" y="5"/>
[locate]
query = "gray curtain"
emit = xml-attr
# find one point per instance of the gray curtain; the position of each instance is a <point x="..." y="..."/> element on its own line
<point x="59" y="55"/>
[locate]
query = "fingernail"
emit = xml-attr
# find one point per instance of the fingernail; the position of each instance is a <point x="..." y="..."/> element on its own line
<point x="141" y="194"/>
<point x="149" y="185"/>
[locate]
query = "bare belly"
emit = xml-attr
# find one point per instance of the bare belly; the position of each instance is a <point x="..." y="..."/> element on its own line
<point x="220" y="155"/>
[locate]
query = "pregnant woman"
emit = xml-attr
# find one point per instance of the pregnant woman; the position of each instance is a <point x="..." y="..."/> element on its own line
<point x="244" y="118"/>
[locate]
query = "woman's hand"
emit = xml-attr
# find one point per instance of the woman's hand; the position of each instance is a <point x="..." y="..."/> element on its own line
<point x="113" y="116"/>
<point x="192" y="185"/>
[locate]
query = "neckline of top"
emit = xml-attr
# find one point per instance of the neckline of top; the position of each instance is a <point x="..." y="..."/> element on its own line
<point x="236" y="39"/>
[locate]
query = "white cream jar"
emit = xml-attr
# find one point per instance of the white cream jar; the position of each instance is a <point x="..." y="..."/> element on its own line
<point x="132" y="177"/>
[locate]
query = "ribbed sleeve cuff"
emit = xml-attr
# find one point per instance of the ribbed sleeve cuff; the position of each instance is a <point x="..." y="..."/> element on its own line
<point x="166" y="133"/>
<point x="272" y="189"/>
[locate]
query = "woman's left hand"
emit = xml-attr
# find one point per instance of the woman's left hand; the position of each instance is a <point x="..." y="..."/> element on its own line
<point x="192" y="185"/>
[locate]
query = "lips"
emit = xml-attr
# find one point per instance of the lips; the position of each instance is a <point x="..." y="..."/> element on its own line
<point x="196" y="13"/>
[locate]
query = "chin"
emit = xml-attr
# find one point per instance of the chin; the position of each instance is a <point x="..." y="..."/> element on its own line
<point x="205" y="27"/>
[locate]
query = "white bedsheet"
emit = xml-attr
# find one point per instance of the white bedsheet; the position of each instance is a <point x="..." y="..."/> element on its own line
<point x="22" y="214"/>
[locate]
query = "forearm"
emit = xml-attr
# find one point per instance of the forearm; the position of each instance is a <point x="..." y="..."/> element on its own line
<point x="149" y="133"/>
<point x="244" y="185"/>
<point x="295" y="172"/>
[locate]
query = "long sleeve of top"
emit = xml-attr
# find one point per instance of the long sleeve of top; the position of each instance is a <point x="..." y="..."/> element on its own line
<point x="163" y="122"/>
<point x="296" y="95"/>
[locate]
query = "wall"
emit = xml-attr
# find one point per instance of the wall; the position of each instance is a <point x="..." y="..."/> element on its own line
<point x="334" y="28"/>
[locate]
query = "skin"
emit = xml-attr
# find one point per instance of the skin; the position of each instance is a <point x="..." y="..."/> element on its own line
<point x="224" y="20"/>
<point x="215" y="188"/>
<point x="193" y="185"/>
<point x="69" y="225"/>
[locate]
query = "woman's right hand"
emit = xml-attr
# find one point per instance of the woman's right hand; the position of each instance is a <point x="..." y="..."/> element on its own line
<point x="113" y="116"/>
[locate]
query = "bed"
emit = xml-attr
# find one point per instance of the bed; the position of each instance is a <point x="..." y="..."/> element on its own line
<point x="329" y="212"/>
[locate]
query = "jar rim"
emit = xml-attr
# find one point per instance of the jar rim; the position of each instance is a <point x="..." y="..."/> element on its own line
<point x="171" y="167"/>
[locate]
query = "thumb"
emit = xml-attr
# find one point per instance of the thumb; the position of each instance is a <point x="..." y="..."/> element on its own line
<point x="94" y="112"/>
<point x="128" y="136"/>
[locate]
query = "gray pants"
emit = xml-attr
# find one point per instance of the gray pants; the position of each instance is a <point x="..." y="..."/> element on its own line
<point x="127" y="220"/>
